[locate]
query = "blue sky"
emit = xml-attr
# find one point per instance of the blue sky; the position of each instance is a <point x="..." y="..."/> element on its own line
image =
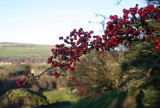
<point x="43" y="21"/>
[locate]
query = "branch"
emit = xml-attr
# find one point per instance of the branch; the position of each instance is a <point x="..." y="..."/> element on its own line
<point x="44" y="72"/>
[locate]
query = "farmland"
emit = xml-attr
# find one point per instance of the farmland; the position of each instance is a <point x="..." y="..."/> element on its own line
<point x="24" y="50"/>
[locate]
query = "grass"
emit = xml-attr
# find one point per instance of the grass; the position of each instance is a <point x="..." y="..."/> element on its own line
<point x="24" y="50"/>
<point x="112" y="99"/>
<point x="23" y="97"/>
<point x="61" y="95"/>
<point x="32" y="99"/>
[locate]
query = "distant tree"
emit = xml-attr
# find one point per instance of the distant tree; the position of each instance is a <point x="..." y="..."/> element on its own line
<point x="155" y="2"/>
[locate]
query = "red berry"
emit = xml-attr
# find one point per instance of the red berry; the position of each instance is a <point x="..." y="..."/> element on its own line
<point x="23" y="79"/>
<point x="126" y="41"/>
<point x="155" y="9"/>
<point x="145" y="9"/>
<point x="71" y="79"/>
<point x="142" y="15"/>
<point x="156" y="41"/>
<point x="23" y="83"/>
<point x="156" y="16"/>
<point x="67" y="67"/>
<point x="125" y="16"/>
<point x="24" y="73"/>
<point x="124" y="10"/>
<point x="109" y="23"/>
<point x="111" y="17"/>
<point x="113" y="47"/>
<point x="70" y="68"/>
<point x="67" y="37"/>
<point x="139" y="11"/>
<point x="152" y="6"/>
<point x="127" y="21"/>
<point x="74" y="64"/>
<point x="76" y="83"/>
<point x="82" y="89"/>
<point x="132" y="13"/>
<point x="91" y="31"/>
<point x="119" y="26"/>
<point x="114" y="37"/>
<point x="102" y="55"/>
<point x="58" y="75"/>
<point x="157" y="47"/>
<point x="115" y="16"/>
<point x="151" y="12"/>
<point x="151" y="36"/>
<point x="60" y="38"/>
<point x="55" y="73"/>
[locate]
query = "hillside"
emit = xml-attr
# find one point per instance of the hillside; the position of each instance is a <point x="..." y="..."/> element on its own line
<point x="24" y="50"/>
<point x="24" y="53"/>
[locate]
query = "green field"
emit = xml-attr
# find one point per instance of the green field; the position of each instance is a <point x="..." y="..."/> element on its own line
<point x="24" y="50"/>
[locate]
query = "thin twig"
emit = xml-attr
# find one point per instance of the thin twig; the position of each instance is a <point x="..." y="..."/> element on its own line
<point x="44" y="72"/>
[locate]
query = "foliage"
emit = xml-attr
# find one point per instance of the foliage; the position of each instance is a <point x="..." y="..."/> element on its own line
<point x="23" y="97"/>
<point x="98" y="74"/>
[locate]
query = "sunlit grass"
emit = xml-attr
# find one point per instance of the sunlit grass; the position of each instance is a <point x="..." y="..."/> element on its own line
<point x="23" y="50"/>
<point x="60" y="96"/>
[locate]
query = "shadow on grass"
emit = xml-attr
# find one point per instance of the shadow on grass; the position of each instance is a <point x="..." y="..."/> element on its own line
<point x="113" y="99"/>
<point x="57" y="105"/>
<point x="37" y="93"/>
<point x="139" y="99"/>
<point x="120" y="99"/>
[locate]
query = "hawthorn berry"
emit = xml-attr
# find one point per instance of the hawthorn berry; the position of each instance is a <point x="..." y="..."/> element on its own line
<point x="109" y="23"/>
<point x="152" y="6"/>
<point x="71" y="79"/>
<point x="157" y="47"/>
<point x="151" y="36"/>
<point x="155" y="9"/>
<point x="24" y="73"/>
<point x="23" y="83"/>
<point x="23" y="79"/>
<point x="156" y="41"/>
<point x="124" y="10"/>
<point x="102" y="55"/>
<point x="60" y="38"/>
<point x="125" y="16"/>
<point x="70" y="68"/>
<point x="76" y="84"/>
<point x="82" y="89"/>
<point x="111" y="17"/>
<point x="74" y="64"/>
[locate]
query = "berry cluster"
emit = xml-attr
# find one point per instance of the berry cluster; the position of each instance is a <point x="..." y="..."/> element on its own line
<point x="157" y="42"/>
<point x="22" y="82"/>
<point x="56" y="75"/>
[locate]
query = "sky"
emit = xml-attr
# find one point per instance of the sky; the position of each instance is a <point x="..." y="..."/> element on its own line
<point x="43" y="21"/>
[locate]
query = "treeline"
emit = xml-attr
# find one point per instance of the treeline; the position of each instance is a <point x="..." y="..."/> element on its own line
<point x="19" y="60"/>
